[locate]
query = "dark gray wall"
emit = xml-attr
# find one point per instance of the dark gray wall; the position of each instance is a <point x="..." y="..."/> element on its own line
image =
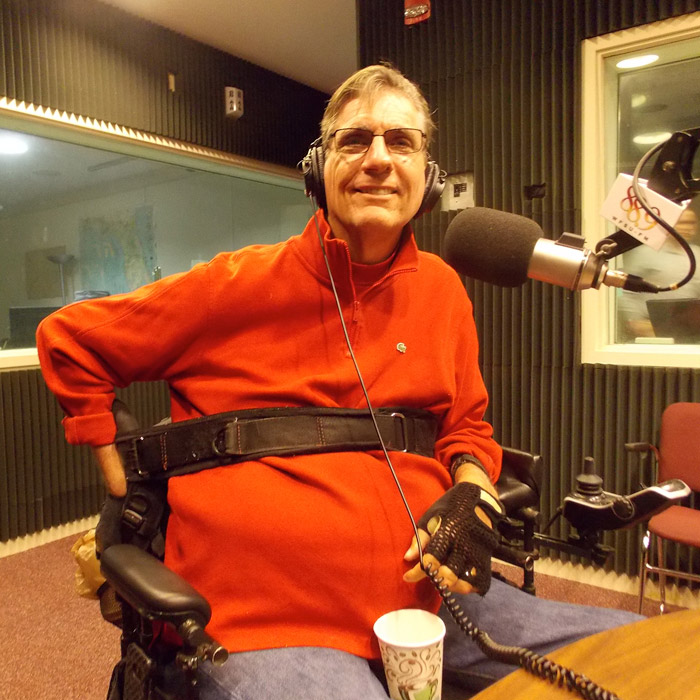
<point x="505" y="80"/>
<point x="85" y="57"/>
<point x="95" y="60"/>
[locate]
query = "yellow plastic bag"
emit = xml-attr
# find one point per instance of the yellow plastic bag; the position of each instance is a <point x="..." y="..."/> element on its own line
<point x="88" y="577"/>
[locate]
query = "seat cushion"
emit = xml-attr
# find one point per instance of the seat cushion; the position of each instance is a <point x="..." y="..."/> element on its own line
<point x="678" y="523"/>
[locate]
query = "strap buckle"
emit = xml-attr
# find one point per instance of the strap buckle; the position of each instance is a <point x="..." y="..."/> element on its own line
<point x="225" y="442"/>
<point x="144" y="454"/>
<point x="401" y="418"/>
<point x="131" y="454"/>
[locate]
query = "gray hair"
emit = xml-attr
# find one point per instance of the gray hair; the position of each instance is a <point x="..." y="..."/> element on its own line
<point x="368" y="83"/>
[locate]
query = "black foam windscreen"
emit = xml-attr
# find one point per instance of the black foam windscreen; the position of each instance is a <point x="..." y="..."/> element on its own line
<point x="491" y="246"/>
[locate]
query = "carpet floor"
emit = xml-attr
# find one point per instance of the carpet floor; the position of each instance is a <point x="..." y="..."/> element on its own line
<point x="55" y="646"/>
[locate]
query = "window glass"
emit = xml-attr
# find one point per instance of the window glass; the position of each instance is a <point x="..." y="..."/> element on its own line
<point x="78" y="221"/>
<point x="653" y="103"/>
<point x="628" y="108"/>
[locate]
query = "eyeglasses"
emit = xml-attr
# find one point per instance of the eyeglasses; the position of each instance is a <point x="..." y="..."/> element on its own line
<point x="398" y="141"/>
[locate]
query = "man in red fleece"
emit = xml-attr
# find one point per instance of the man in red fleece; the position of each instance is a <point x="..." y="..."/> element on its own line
<point x="298" y="555"/>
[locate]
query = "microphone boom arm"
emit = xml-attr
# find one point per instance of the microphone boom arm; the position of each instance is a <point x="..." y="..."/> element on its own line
<point x="672" y="173"/>
<point x="671" y="177"/>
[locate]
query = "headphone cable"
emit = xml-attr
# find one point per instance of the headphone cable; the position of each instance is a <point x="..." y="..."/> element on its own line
<point x="356" y="365"/>
<point x="536" y="664"/>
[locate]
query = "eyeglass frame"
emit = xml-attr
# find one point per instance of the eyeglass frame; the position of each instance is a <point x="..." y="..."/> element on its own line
<point x="424" y="138"/>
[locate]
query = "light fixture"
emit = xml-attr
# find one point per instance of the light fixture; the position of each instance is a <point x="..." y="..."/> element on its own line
<point x="638" y="100"/>
<point x="12" y="145"/>
<point x="637" y="61"/>
<point x="651" y="138"/>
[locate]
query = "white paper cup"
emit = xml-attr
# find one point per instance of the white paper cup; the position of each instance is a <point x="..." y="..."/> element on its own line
<point x="411" y="645"/>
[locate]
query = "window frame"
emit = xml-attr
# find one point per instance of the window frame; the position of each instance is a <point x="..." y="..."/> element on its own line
<point x="597" y="317"/>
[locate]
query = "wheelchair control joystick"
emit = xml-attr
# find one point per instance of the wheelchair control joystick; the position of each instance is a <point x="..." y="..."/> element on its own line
<point x="590" y="508"/>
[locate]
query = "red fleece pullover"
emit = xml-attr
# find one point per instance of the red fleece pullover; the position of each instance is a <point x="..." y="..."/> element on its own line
<point x="289" y="551"/>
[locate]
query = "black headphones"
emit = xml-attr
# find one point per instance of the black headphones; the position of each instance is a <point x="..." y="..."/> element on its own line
<point x="312" y="168"/>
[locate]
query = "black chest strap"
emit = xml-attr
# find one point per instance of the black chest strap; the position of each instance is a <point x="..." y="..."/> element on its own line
<point x="226" y="438"/>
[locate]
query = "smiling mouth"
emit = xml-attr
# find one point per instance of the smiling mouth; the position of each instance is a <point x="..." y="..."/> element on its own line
<point x="380" y="191"/>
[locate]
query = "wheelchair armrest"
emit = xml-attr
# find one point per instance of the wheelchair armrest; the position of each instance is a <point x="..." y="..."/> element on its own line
<point x="519" y="483"/>
<point x="156" y="592"/>
<point x="643" y="448"/>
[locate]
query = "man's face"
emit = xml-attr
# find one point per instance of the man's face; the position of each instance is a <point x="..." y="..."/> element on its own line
<point x="372" y="196"/>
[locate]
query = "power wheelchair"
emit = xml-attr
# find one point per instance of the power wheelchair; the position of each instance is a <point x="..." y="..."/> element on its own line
<point x="145" y="598"/>
<point x="153" y="606"/>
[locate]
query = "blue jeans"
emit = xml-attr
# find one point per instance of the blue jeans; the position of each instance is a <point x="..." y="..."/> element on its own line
<point x="313" y="673"/>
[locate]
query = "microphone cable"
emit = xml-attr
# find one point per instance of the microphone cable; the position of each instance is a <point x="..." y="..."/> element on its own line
<point x="641" y="198"/>
<point x="536" y="664"/>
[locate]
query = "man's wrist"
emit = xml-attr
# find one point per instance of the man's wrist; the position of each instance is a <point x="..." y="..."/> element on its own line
<point x="463" y="459"/>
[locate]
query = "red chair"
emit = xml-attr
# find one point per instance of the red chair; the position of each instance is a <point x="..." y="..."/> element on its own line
<point x="678" y="457"/>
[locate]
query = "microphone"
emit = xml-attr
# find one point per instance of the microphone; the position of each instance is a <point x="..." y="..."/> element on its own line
<point x="506" y="249"/>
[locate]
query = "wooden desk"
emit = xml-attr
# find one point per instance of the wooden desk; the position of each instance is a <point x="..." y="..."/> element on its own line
<point x="654" y="659"/>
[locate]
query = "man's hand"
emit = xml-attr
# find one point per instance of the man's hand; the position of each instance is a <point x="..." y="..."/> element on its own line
<point x="110" y="463"/>
<point x="461" y="553"/>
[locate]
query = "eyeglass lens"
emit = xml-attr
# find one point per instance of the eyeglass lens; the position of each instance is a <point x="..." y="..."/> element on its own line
<point x="398" y="141"/>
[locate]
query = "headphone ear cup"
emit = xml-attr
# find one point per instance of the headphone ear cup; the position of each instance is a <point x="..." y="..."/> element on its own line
<point x="434" y="185"/>
<point x="312" y="169"/>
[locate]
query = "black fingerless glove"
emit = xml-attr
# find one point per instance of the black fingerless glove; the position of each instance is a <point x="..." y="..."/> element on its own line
<point x="462" y="542"/>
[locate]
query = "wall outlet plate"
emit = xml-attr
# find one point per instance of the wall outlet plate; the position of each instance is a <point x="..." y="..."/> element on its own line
<point x="234" y="102"/>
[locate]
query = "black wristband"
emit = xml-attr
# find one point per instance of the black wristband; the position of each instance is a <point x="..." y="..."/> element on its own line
<point x="458" y="461"/>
